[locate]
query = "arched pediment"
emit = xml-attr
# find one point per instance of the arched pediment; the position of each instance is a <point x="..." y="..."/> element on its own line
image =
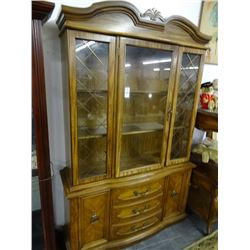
<point x="150" y="21"/>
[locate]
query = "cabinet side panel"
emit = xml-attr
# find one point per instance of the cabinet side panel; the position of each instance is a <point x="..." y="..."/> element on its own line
<point x="74" y="222"/>
<point x="66" y="99"/>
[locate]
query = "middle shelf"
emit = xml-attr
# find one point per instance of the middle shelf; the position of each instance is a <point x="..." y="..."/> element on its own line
<point x="128" y="129"/>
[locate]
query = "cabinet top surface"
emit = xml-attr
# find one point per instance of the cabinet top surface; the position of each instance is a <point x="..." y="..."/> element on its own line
<point x="207" y="120"/>
<point x="123" y="18"/>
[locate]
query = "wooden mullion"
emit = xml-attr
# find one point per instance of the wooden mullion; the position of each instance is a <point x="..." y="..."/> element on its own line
<point x="121" y="62"/>
<point x="169" y="105"/>
<point x="174" y="102"/>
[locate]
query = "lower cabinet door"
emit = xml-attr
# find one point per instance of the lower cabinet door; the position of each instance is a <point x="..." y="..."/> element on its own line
<point x="94" y="221"/>
<point x="176" y="192"/>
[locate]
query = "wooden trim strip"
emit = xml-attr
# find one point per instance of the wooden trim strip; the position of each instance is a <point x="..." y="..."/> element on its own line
<point x="87" y="189"/>
<point x="174" y="101"/>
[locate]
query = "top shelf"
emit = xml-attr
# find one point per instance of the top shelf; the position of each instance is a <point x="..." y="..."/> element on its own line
<point x="100" y="91"/>
<point x="160" y="92"/>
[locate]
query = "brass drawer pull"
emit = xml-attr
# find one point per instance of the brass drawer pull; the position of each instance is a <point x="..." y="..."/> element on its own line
<point x="174" y="194"/>
<point x="136" y="228"/>
<point x="94" y="218"/>
<point x="141" y="210"/>
<point x="136" y="193"/>
<point x="143" y="226"/>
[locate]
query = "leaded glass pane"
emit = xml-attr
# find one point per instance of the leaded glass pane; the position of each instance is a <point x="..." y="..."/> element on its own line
<point x="185" y="103"/>
<point x="92" y="85"/>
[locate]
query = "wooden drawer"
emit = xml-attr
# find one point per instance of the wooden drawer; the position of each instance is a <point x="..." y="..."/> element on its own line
<point x="93" y="219"/>
<point x="136" y="192"/>
<point x="121" y="214"/>
<point x="201" y="180"/>
<point x="129" y="229"/>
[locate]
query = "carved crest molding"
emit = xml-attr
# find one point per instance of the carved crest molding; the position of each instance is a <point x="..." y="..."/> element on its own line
<point x="154" y="15"/>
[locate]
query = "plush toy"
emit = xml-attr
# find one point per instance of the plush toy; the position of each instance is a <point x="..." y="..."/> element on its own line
<point x="215" y="86"/>
<point x="207" y="99"/>
<point x="208" y="150"/>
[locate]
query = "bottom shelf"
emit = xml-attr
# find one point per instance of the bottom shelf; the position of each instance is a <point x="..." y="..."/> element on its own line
<point x="91" y="169"/>
<point x="140" y="150"/>
<point x="130" y="162"/>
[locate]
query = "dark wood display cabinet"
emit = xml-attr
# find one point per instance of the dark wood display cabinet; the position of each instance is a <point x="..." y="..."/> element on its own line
<point x="203" y="191"/>
<point x="131" y="88"/>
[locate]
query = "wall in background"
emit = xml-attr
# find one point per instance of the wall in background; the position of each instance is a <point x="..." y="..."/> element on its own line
<point x="55" y="98"/>
<point x="36" y="203"/>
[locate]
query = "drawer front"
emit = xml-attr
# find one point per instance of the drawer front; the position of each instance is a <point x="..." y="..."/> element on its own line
<point x="131" y="212"/>
<point x="176" y="191"/>
<point x="123" y="231"/>
<point x="136" y="192"/>
<point x="203" y="202"/>
<point x="201" y="181"/>
<point x="199" y="201"/>
<point x="93" y="216"/>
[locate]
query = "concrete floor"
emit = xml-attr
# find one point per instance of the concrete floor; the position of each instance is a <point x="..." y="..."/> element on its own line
<point x="175" y="237"/>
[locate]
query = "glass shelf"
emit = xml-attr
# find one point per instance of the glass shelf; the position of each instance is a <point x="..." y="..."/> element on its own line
<point x="100" y="91"/>
<point x="148" y="92"/>
<point x="86" y="133"/>
<point x="95" y="169"/>
<point x="140" y="128"/>
<point x="131" y="162"/>
<point x="181" y="127"/>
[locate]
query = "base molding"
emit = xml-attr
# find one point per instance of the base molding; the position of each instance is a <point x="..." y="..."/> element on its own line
<point x="117" y="244"/>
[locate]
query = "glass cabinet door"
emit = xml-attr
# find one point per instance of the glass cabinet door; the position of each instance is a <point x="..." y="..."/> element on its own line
<point x="93" y="74"/>
<point x="145" y="78"/>
<point x="185" y="102"/>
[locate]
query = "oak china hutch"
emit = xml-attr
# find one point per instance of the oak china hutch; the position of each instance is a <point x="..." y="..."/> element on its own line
<point x="131" y="88"/>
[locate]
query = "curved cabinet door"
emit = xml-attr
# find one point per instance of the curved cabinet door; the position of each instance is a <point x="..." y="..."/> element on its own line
<point x="91" y="93"/>
<point x="146" y="76"/>
<point x="188" y="80"/>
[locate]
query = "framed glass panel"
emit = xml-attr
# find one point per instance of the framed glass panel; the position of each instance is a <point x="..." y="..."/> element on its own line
<point x="92" y="60"/>
<point x="185" y="104"/>
<point x="146" y="82"/>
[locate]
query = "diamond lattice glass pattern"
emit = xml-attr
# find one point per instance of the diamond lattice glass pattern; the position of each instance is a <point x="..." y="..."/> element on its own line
<point x="185" y="103"/>
<point x="147" y="72"/>
<point x="92" y="81"/>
